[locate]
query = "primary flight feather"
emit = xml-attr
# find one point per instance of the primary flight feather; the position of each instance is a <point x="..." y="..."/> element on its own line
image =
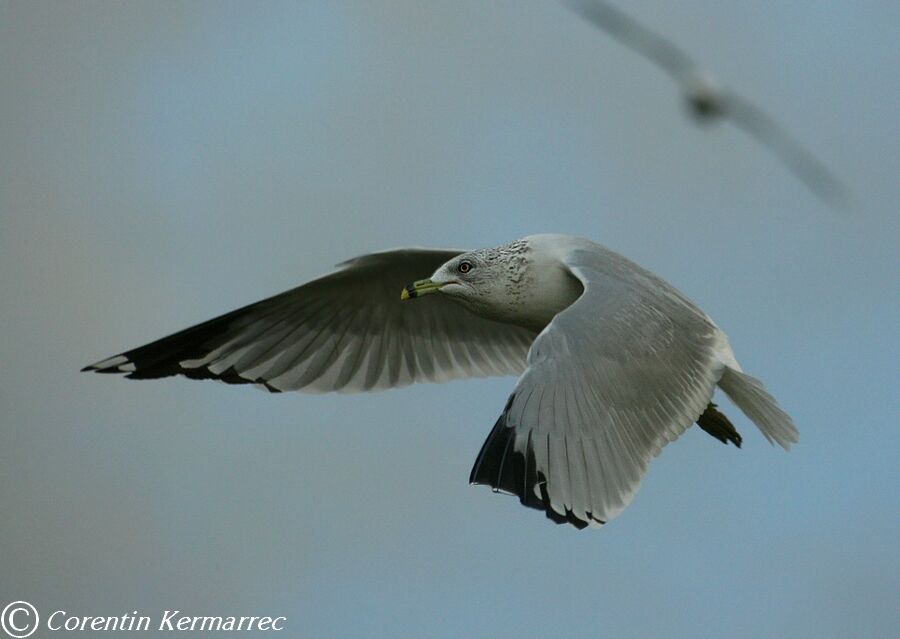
<point x="614" y="363"/>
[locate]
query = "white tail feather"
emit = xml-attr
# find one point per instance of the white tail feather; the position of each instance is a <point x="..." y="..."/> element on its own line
<point x="751" y="397"/>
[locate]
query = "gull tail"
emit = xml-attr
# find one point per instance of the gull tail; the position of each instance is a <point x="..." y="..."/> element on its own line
<point x="751" y="397"/>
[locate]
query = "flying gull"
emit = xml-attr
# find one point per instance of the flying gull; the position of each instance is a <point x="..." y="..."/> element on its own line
<point x="613" y="362"/>
<point x="708" y="102"/>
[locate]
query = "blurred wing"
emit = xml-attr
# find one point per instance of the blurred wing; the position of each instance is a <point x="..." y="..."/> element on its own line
<point x="636" y="36"/>
<point x="347" y="331"/>
<point x="611" y="380"/>
<point x="801" y="162"/>
<point x="754" y="121"/>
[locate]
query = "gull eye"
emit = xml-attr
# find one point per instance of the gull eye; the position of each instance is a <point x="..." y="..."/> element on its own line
<point x="464" y="267"/>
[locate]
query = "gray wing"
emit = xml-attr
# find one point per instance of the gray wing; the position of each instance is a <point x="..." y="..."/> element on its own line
<point x="776" y="139"/>
<point x="708" y="103"/>
<point x="637" y="37"/>
<point x="347" y="331"/>
<point x="611" y="380"/>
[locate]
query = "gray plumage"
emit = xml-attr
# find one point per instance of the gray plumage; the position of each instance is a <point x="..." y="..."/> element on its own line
<point x="614" y="362"/>
<point x="347" y="332"/>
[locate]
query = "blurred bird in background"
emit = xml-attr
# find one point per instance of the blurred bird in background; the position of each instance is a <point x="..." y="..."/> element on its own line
<point x="709" y="102"/>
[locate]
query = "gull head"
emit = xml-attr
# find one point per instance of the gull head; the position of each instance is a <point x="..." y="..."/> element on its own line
<point x="518" y="283"/>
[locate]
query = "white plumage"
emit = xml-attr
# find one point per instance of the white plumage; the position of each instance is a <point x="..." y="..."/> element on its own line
<point x="614" y="362"/>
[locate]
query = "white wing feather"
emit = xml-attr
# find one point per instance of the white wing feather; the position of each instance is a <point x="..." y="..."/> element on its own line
<point x="611" y="380"/>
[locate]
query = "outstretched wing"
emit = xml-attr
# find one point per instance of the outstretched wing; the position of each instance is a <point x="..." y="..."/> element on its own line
<point x="611" y="380"/>
<point x="631" y="33"/>
<point x="347" y="331"/>
<point x="803" y="164"/>
<point x="708" y="102"/>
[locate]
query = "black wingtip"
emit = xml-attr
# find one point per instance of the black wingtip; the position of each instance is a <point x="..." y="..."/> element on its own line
<point x="569" y="517"/>
<point x="231" y="376"/>
<point x="507" y="470"/>
<point x="93" y="368"/>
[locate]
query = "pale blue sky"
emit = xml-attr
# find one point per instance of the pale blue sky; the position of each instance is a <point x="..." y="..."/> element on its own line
<point x="161" y="163"/>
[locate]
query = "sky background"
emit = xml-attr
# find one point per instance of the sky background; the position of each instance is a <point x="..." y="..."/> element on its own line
<point x="163" y="162"/>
